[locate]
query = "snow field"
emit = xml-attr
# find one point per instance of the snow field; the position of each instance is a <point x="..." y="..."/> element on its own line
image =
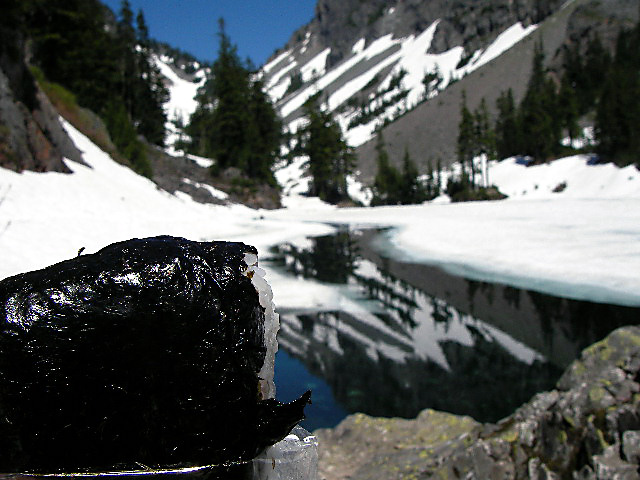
<point x="47" y="217"/>
<point x="574" y="176"/>
<point x="575" y="247"/>
<point x="182" y="101"/>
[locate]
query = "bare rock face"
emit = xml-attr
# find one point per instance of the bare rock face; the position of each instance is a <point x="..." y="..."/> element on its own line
<point x="339" y="24"/>
<point x="587" y="428"/>
<point x="31" y="137"/>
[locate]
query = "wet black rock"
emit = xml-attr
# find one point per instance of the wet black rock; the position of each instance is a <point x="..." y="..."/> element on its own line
<point x="145" y="353"/>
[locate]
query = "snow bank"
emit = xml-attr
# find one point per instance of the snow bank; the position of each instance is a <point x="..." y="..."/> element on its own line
<point x="501" y="44"/>
<point x="580" y="243"/>
<point x="574" y="177"/>
<point x="578" y="248"/>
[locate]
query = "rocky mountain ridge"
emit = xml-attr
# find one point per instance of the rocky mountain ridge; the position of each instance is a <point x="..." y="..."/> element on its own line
<point x="381" y="65"/>
<point x="337" y="24"/>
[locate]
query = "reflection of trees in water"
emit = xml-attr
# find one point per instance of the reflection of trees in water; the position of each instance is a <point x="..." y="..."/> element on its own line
<point x="397" y="298"/>
<point x="485" y="380"/>
<point x="331" y="258"/>
<point x="584" y="322"/>
<point x="483" y="288"/>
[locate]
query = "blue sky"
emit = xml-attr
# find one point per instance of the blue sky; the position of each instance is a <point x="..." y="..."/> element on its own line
<point x="257" y="27"/>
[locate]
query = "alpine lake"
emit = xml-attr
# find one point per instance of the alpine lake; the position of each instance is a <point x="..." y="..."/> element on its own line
<point x="413" y="336"/>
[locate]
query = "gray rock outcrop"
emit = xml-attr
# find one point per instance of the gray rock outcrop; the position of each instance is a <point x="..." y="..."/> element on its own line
<point x="31" y="136"/>
<point x="338" y="24"/>
<point x="430" y="131"/>
<point x="586" y="428"/>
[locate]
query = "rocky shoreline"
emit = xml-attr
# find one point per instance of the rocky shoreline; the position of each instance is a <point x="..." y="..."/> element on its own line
<point x="587" y="428"/>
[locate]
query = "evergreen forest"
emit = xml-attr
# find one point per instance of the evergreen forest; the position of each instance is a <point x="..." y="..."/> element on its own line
<point x="102" y="62"/>
<point x="595" y="87"/>
<point x="392" y="186"/>
<point x="235" y="122"/>
<point x="330" y="159"/>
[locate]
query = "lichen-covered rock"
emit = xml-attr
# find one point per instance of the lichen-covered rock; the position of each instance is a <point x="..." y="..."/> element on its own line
<point x="367" y="447"/>
<point x="588" y="428"/>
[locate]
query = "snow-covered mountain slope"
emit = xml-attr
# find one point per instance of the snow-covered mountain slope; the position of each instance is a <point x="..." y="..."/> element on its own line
<point x="403" y="67"/>
<point x="182" y="92"/>
<point x="375" y="61"/>
<point x="379" y="81"/>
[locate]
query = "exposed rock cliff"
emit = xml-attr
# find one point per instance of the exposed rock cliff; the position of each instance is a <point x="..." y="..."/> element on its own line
<point x="338" y="24"/>
<point x="587" y="428"/>
<point x="31" y="137"/>
<point x="430" y="131"/>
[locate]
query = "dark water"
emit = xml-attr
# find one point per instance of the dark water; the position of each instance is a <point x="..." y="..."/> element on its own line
<point x="421" y="338"/>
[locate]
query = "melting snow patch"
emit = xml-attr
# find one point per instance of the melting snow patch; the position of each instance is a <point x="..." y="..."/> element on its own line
<point x="201" y="161"/>
<point x="501" y="44"/>
<point x="215" y="193"/>
<point x="269" y="66"/>
<point x="316" y="66"/>
<point x="358" y="47"/>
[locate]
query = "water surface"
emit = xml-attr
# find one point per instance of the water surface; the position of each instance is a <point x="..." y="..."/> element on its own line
<point x="412" y="336"/>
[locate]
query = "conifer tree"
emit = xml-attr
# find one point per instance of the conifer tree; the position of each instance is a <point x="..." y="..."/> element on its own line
<point x="411" y="189"/>
<point x="265" y="134"/>
<point x="150" y="93"/>
<point x="568" y="106"/>
<point x="102" y="67"/>
<point x="72" y="48"/>
<point x="538" y="112"/>
<point x="127" y="54"/>
<point x="430" y="184"/>
<point x="235" y="122"/>
<point x="125" y="137"/>
<point x="330" y="158"/>
<point x="484" y="134"/>
<point x="485" y="139"/>
<point x="438" y="179"/>
<point x="597" y="62"/>
<point x="230" y="92"/>
<point x="467" y="140"/>
<point x="618" y="114"/>
<point x="508" y="136"/>
<point x="387" y="184"/>
<point x="582" y="77"/>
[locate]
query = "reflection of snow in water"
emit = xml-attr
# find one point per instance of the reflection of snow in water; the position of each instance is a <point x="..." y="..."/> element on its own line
<point x="382" y="330"/>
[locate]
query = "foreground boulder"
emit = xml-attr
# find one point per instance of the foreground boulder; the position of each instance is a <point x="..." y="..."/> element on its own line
<point x="587" y="428"/>
<point x="151" y="353"/>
